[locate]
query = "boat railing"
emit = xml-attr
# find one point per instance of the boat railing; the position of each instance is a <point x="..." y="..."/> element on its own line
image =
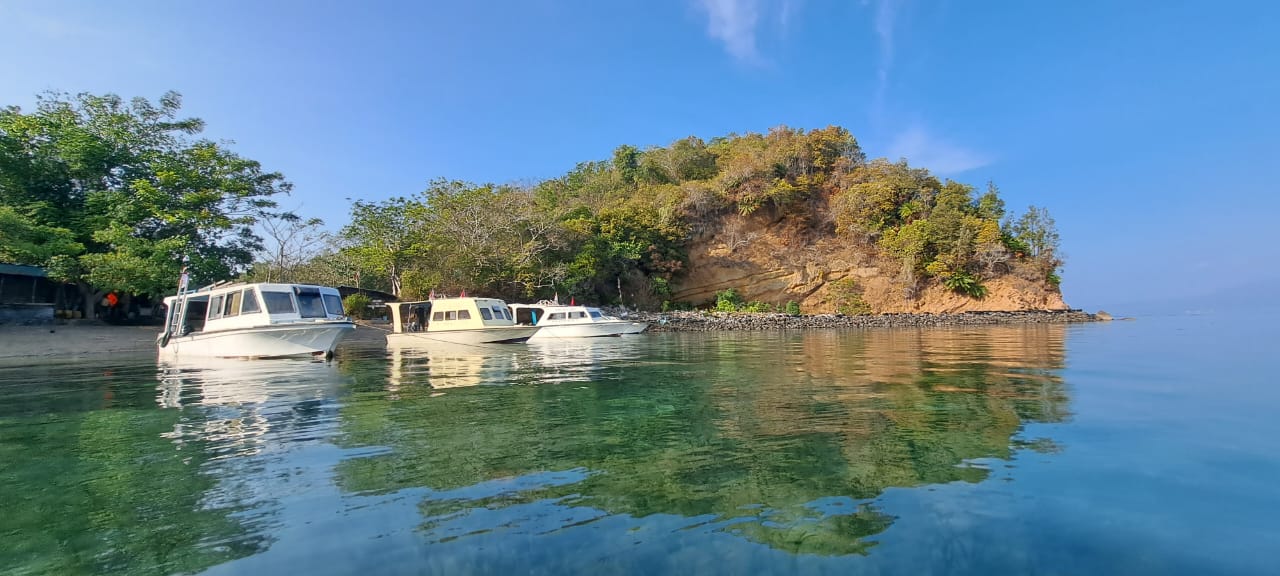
<point x="211" y="287"/>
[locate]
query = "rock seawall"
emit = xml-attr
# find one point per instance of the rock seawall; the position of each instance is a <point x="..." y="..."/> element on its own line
<point x="721" y="321"/>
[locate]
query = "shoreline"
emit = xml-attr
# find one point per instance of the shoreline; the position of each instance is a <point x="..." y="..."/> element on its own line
<point x="749" y="322"/>
<point x="83" y="340"/>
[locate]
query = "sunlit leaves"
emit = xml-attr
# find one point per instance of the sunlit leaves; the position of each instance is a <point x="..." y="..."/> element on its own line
<point x="134" y="193"/>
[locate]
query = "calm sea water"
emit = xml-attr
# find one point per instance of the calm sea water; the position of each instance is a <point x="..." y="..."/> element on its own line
<point x="1148" y="447"/>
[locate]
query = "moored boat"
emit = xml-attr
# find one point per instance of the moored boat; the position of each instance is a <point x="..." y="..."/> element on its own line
<point x="463" y="320"/>
<point x="633" y="326"/>
<point x="567" y="321"/>
<point x="261" y="320"/>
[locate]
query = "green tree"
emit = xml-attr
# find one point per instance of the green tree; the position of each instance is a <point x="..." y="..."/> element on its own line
<point x="1038" y="231"/>
<point x="626" y="161"/>
<point x="689" y="159"/>
<point x="382" y="237"/>
<point x="356" y="305"/>
<point x="989" y="205"/>
<point x="22" y="241"/>
<point x="882" y="195"/>
<point x="486" y="237"/>
<point x="136" y="195"/>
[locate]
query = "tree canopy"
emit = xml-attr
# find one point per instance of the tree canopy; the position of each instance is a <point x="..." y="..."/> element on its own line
<point x="116" y="195"/>
<point x="619" y="229"/>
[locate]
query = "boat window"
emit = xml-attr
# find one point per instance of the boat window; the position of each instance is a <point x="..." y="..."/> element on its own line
<point x="497" y="311"/>
<point x="579" y="315"/>
<point x="484" y="313"/>
<point x="438" y="316"/>
<point x="333" y="304"/>
<point x="232" y="307"/>
<point x="250" y="304"/>
<point x="194" y="315"/>
<point x="451" y="315"/>
<point x="595" y="314"/>
<point x="309" y="304"/>
<point x="215" y="307"/>
<point x="556" y="316"/>
<point x="464" y="314"/>
<point x="278" y="302"/>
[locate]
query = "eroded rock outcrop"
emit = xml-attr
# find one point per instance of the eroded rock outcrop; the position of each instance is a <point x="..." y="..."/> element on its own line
<point x="776" y="260"/>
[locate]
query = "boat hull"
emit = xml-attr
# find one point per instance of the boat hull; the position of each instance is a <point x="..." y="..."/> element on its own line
<point x="636" y="327"/>
<point x="471" y="336"/>
<point x="583" y="330"/>
<point x="277" y="341"/>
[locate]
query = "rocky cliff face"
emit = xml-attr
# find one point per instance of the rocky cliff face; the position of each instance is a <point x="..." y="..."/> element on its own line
<point x="776" y="259"/>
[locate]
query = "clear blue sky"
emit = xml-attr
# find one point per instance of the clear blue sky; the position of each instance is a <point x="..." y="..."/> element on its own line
<point x="1149" y="129"/>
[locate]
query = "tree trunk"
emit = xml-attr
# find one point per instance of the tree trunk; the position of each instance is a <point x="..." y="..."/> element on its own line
<point x="90" y="297"/>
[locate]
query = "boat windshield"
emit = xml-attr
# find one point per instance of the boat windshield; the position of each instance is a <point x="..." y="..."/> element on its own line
<point x="596" y="314"/>
<point x="333" y="303"/>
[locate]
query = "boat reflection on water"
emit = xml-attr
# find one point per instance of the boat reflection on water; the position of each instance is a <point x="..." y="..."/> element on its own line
<point x="228" y="381"/>
<point x="442" y="365"/>
<point x="567" y="360"/>
<point x="448" y="365"/>
<point x="242" y="403"/>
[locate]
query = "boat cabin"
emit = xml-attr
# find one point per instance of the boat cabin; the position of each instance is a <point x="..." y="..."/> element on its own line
<point x="234" y="306"/>
<point x="449" y="314"/>
<point x="548" y="314"/>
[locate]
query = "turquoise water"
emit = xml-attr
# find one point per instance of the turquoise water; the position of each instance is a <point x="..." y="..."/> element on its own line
<point x="1145" y="447"/>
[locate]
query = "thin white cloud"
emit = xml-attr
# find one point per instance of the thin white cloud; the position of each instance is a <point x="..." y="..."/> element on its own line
<point x="785" y="12"/>
<point x="885" y="17"/>
<point x="733" y="23"/>
<point x="927" y="150"/>
<point x="50" y="26"/>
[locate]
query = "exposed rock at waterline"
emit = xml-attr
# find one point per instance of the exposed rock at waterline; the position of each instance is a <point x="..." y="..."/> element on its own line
<point x="720" y="321"/>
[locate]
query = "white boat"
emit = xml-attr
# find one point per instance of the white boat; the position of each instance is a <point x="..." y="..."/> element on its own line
<point x="633" y="326"/>
<point x="462" y="320"/>
<point x="253" y="321"/>
<point x="561" y="321"/>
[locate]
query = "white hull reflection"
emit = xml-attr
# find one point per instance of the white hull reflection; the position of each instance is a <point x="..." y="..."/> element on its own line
<point x="443" y="366"/>
<point x="231" y="381"/>
<point x="245" y="406"/>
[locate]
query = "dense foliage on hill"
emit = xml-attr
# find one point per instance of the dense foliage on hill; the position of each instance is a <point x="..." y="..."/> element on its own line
<point x="628" y="221"/>
<point x="115" y="196"/>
